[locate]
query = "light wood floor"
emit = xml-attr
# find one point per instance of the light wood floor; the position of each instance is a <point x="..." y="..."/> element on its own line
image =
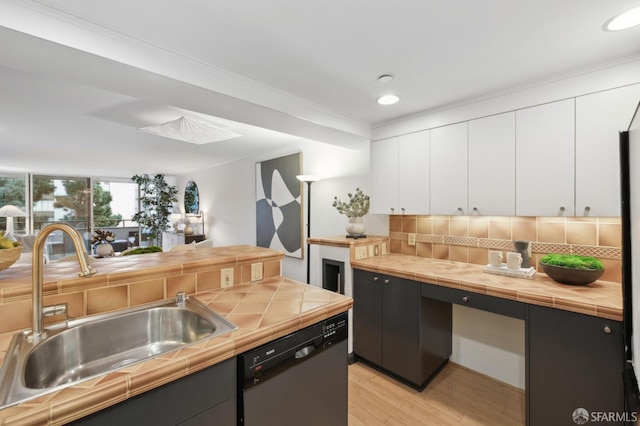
<point x="457" y="396"/>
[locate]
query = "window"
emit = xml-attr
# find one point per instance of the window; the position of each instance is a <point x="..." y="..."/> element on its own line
<point x="85" y="203"/>
<point x="61" y="199"/>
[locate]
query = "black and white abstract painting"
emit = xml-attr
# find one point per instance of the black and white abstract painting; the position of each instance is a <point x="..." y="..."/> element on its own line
<point x="278" y="204"/>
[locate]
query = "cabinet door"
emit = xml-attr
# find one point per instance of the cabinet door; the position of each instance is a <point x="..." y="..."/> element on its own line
<point x="545" y="160"/>
<point x="449" y="170"/>
<point x="200" y="395"/>
<point x="367" y="316"/>
<point x="400" y="327"/>
<point x="384" y="176"/>
<point x="574" y="361"/>
<point x="599" y="118"/>
<point x="492" y="165"/>
<point x="413" y="173"/>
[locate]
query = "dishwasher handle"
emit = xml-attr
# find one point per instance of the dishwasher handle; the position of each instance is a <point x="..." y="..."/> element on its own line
<point x="304" y="352"/>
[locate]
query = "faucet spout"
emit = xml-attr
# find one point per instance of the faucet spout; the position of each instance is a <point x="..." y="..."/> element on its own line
<point x="38" y="264"/>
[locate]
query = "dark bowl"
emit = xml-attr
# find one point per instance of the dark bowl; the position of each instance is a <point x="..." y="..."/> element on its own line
<point x="571" y="276"/>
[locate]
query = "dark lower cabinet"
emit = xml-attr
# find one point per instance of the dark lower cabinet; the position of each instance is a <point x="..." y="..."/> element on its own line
<point x="398" y="330"/>
<point x="207" y="397"/>
<point x="367" y="316"/>
<point x="573" y="361"/>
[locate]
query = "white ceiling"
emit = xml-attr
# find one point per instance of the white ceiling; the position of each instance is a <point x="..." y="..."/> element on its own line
<point x="79" y="76"/>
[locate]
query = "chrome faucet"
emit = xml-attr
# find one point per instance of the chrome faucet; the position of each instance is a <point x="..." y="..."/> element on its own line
<point x="38" y="263"/>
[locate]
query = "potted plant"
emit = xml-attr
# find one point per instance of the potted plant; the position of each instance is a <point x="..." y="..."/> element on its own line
<point x="354" y="209"/>
<point x="572" y="269"/>
<point x="157" y="198"/>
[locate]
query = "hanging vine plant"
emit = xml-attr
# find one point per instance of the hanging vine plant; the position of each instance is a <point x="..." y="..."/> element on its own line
<point x="157" y="199"/>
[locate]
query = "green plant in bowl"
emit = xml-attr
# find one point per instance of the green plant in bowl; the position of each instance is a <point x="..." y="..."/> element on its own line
<point x="572" y="269"/>
<point x="142" y="250"/>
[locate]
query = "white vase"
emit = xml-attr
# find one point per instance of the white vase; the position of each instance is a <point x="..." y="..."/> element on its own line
<point x="356" y="226"/>
<point x="104" y="250"/>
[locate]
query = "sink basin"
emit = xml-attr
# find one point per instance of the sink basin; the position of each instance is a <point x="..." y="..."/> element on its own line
<point x="91" y="346"/>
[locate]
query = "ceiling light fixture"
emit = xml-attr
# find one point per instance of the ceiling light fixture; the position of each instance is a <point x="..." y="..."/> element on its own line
<point x="623" y="21"/>
<point x="388" y="99"/>
<point x="189" y="130"/>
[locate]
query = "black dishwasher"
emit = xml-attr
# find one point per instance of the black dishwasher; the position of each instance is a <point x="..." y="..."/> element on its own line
<point x="298" y="379"/>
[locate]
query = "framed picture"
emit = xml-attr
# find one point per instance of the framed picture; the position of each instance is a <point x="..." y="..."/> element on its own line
<point x="278" y="205"/>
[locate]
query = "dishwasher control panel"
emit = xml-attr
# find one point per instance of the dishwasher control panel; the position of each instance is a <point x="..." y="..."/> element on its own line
<point x="293" y="347"/>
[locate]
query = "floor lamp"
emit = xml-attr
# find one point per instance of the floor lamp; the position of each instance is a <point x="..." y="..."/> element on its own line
<point x="309" y="179"/>
<point x="10" y="211"/>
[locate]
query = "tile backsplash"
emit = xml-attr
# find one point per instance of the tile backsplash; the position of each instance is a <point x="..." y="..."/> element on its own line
<point x="469" y="238"/>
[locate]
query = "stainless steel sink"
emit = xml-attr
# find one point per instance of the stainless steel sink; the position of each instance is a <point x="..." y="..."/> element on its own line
<point x="85" y="348"/>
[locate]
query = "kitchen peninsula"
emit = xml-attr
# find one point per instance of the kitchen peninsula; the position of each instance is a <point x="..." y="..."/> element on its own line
<point x="264" y="310"/>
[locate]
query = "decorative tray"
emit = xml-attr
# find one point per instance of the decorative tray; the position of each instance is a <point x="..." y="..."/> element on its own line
<point x="527" y="273"/>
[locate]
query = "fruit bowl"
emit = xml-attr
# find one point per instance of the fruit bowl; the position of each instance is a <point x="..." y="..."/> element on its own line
<point x="9" y="256"/>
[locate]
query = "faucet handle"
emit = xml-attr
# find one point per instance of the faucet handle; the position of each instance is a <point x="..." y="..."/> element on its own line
<point x="181" y="299"/>
<point x="59" y="309"/>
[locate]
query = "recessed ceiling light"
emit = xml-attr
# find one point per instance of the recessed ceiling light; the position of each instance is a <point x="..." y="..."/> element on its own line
<point x="388" y="99"/>
<point x="624" y="20"/>
<point x="386" y="78"/>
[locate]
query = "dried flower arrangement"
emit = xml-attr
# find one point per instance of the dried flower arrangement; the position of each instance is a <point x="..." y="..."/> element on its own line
<point x="357" y="206"/>
<point x="103" y="237"/>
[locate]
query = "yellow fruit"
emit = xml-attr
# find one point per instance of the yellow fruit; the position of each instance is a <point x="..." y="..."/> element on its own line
<point x="6" y="244"/>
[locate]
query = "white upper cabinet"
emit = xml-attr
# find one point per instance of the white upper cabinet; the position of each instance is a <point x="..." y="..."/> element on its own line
<point x="384" y="176"/>
<point x="492" y="165"/>
<point x="413" y="173"/>
<point x="545" y="159"/>
<point x="599" y="118"/>
<point x="400" y="174"/>
<point x="449" y="170"/>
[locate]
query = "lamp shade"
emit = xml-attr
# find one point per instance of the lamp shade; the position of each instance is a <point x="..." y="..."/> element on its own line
<point x="308" y="178"/>
<point x="11" y="211"/>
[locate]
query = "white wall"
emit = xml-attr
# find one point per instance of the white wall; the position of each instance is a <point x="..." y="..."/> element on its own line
<point x="489" y="343"/>
<point x="227" y="196"/>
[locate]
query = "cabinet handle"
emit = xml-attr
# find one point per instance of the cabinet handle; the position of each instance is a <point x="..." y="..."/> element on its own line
<point x="460" y="210"/>
<point x="465" y="299"/>
<point x="393" y="210"/>
<point x="386" y="281"/>
<point x="402" y="209"/>
<point x="607" y="329"/>
<point x="375" y="278"/>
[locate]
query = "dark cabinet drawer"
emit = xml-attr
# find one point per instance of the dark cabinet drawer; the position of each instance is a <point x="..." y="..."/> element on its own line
<point x="510" y="308"/>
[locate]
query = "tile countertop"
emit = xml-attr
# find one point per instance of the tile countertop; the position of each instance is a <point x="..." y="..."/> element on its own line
<point x="58" y="277"/>
<point x="264" y="311"/>
<point x="343" y="241"/>
<point x="601" y="298"/>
